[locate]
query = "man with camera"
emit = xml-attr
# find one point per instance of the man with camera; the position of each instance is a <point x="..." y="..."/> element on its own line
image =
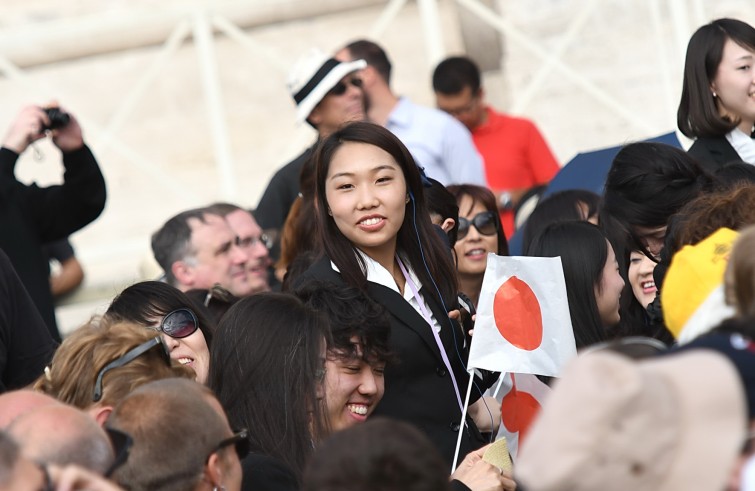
<point x="31" y="216"/>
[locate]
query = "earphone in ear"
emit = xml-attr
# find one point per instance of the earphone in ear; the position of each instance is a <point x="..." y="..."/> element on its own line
<point x="411" y="196"/>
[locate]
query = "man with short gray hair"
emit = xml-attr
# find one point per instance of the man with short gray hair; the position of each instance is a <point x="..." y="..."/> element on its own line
<point x="198" y="249"/>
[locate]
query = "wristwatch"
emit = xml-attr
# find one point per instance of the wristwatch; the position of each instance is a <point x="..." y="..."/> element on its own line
<point x="504" y="201"/>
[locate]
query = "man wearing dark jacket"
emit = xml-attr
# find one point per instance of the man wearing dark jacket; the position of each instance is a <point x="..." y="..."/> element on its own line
<point x="31" y="216"/>
<point x="25" y="343"/>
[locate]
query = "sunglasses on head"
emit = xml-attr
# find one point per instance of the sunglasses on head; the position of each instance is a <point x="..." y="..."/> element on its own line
<point x="219" y="294"/>
<point x="179" y="324"/>
<point x="130" y="356"/>
<point x="484" y="222"/>
<point x="340" y="87"/>
<point x="240" y="441"/>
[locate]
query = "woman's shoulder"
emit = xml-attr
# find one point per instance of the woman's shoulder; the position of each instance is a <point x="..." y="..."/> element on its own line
<point x="320" y="270"/>
<point x="713" y="152"/>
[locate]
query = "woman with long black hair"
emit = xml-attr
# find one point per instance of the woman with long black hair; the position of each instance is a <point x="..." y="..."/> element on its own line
<point x="377" y="236"/>
<point x="591" y="273"/>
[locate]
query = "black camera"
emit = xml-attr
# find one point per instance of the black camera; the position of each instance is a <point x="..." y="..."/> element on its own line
<point x="58" y="118"/>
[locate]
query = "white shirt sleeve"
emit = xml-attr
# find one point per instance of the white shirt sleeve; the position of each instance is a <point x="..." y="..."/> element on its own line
<point x="460" y="157"/>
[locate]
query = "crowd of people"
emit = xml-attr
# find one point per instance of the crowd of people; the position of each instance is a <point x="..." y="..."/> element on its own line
<point x="320" y="341"/>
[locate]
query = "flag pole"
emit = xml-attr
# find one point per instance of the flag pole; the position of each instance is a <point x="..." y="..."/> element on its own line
<point x="499" y="384"/>
<point x="463" y="419"/>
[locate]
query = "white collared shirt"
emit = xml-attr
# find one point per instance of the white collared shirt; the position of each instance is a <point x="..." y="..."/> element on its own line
<point x="742" y="144"/>
<point x="376" y="273"/>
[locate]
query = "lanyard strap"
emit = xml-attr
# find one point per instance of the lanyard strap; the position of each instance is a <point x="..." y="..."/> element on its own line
<point x="429" y="320"/>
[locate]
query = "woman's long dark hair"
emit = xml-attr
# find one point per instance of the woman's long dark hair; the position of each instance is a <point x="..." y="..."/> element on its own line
<point x="266" y="372"/>
<point x="417" y="240"/>
<point x="646" y="185"/>
<point x="145" y="301"/>
<point x="583" y="249"/>
<point x="559" y="207"/>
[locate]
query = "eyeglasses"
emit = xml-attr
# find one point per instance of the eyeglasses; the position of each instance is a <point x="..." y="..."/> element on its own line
<point x="47" y="485"/>
<point x="465" y="109"/>
<point x="240" y="441"/>
<point x="219" y="294"/>
<point x="130" y="356"/>
<point x="253" y="241"/>
<point x="121" y="443"/>
<point x="340" y="87"/>
<point x="484" y="222"/>
<point x="178" y="324"/>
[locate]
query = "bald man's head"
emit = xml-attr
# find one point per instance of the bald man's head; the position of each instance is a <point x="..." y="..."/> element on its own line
<point x="61" y="434"/>
<point x="17" y="402"/>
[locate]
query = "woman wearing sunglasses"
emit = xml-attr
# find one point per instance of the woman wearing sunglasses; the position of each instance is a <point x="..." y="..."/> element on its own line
<point x="186" y="331"/>
<point x="479" y="233"/>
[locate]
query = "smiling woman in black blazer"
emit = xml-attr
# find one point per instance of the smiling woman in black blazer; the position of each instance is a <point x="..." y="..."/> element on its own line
<point x="377" y="236"/>
<point x="717" y="107"/>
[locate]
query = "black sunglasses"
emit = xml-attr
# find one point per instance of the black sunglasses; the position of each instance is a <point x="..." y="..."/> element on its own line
<point x="179" y="324"/>
<point x="240" y="441"/>
<point x="130" y="356"/>
<point x="484" y="222"/>
<point x="48" y="484"/>
<point x="340" y="87"/>
<point x="121" y="443"/>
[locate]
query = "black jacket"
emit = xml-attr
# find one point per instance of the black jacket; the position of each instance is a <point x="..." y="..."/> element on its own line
<point x="31" y="216"/>
<point x="25" y="343"/>
<point x="264" y="473"/>
<point x="713" y="153"/>
<point x="418" y="389"/>
<point x="281" y="192"/>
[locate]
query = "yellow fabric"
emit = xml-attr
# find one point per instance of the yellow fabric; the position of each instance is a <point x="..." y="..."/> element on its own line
<point x="695" y="271"/>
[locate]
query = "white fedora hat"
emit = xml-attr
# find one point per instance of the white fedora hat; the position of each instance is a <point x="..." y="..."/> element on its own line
<point x="313" y="76"/>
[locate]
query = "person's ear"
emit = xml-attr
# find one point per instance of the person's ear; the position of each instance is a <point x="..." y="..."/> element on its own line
<point x="213" y="471"/>
<point x="183" y="272"/>
<point x="315" y="118"/>
<point x="481" y="93"/>
<point x="367" y="74"/>
<point x="447" y="224"/>
<point x="100" y="413"/>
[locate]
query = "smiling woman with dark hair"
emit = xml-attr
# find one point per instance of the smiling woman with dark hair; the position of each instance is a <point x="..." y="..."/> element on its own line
<point x="377" y="236"/>
<point x="717" y="106"/>
<point x="186" y="331"/>
<point x="479" y="233"/>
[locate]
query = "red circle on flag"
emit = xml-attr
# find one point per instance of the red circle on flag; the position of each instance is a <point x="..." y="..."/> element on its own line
<point x="517" y="314"/>
<point x="518" y="411"/>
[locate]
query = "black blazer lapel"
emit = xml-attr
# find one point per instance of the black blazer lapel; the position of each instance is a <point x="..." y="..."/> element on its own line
<point x="397" y="306"/>
<point x="394" y="303"/>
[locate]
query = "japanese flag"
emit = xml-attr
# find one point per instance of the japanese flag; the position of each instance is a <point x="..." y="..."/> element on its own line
<point x="523" y="323"/>
<point x="521" y="396"/>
